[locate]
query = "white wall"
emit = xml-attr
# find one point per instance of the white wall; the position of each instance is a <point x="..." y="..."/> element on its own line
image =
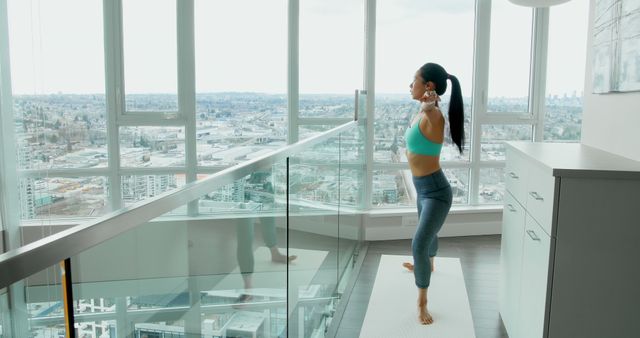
<point x="610" y="122"/>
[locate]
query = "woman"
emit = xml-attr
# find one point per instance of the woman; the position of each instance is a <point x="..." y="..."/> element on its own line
<point x="424" y="138"/>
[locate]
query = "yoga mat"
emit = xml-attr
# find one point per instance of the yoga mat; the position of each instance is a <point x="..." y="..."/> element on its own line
<point x="393" y="311"/>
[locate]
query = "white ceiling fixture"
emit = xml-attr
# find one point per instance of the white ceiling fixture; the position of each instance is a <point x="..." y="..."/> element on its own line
<point x="538" y="3"/>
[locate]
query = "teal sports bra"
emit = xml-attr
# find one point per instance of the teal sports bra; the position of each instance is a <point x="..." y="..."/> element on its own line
<point x="419" y="144"/>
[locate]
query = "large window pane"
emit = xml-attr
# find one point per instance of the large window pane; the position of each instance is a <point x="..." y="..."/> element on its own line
<point x="397" y="60"/>
<point x="568" y="27"/>
<point x="151" y="146"/>
<point x="330" y="65"/>
<point x="493" y="137"/>
<point x="241" y="81"/>
<point x="57" y="77"/>
<point x="509" y="61"/>
<point x="150" y="55"/>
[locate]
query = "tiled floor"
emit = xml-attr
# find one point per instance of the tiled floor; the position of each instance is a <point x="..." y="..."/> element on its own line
<point x="480" y="259"/>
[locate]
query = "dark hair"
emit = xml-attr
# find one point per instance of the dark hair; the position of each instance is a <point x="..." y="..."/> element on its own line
<point x="435" y="73"/>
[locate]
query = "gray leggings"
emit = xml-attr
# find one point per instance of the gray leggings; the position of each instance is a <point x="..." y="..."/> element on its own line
<point x="244" y="234"/>
<point x="434" y="199"/>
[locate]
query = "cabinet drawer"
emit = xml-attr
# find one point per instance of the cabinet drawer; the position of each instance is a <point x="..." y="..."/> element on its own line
<point x="516" y="175"/>
<point x="540" y="190"/>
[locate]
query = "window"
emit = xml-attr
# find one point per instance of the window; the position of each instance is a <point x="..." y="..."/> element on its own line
<point x="568" y="26"/>
<point x="59" y="197"/>
<point x="398" y="57"/>
<point x="397" y="60"/>
<point x="331" y="57"/>
<point x="493" y="137"/>
<point x="150" y="55"/>
<point x="509" y="61"/>
<point x="57" y="74"/>
<point x="151" y="147"/>
<point x="241" y="82"/>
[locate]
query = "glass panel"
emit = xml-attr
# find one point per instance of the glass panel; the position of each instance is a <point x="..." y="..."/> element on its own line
<point x="511" y="27"/>
<point x="241" y="101"/>
<point x="394" y="188"/>
<point x="221" y="272"/>
<point x="36" y="307"/>
<point x="395" y="68"/>
<point x="42" y="313"/>
<point x="306" y="131"/>
<point x="568" y="27"/>
<point x="493" y="137"/>
<point x="5" y="319"/>
<point x="63" y="197"/>
<point x="150" y="55"/>
<point x="140" y="187"/>
<point x="327" y="106"/>
<point x="344" y="52"/>
<point x="151" y="146"/>
<point x="314" y="202"/>
<point x="224" y="139"/>
<point x="491" y="189"/>
<point x="351" y="201"/>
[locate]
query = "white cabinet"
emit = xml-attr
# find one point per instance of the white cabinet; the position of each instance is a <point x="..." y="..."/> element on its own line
<point x="569" y="256"/>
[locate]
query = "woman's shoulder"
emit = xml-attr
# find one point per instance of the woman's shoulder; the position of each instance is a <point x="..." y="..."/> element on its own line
<point x="434" y="117"/>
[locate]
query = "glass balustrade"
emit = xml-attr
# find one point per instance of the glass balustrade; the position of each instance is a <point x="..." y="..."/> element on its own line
<point x="260" y="250"/>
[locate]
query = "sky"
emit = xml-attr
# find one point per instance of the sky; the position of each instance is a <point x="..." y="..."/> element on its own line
<point x="241" y="45"/>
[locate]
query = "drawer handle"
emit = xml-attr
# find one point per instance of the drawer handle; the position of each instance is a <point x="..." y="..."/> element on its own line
<point x="511" y="208"/>
<point x="513" y="175"/>
<point x="536" y="196"/>
<point x="533" y="235"/>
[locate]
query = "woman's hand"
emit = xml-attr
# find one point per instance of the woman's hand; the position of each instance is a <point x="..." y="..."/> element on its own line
<point x="429" y="100"/>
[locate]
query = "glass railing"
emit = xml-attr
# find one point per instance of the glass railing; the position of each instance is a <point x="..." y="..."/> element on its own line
<point x="262" y="249"/>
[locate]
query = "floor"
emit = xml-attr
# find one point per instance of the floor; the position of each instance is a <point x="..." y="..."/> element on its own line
<point x="480" y="260"/>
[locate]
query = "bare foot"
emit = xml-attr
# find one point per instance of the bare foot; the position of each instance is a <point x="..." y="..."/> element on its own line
<point x="243" y="298"/>
<point x="409" y="266"/>
<point x="280" y="258"/>
<point x="424" y="317"/>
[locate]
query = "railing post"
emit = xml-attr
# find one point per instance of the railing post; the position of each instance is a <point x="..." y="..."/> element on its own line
<point x="67" y="298"/>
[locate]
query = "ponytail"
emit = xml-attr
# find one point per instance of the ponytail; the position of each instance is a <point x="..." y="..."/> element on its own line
<point x="456" y="113"/>
<point x="438" y="75"/>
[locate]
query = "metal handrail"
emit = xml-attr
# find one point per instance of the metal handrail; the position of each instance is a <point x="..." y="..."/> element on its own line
<point x="26" y="260"/>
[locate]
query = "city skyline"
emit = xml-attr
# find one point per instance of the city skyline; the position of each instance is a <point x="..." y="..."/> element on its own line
<point x="69" y="131"/>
